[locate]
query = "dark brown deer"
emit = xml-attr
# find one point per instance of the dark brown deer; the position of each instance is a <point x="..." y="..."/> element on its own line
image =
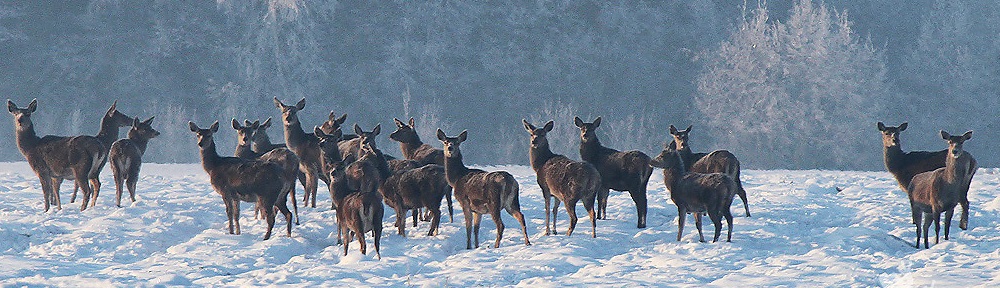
<point x="480" y="192"/>
<point x="335" y="123"/>
<point x="350" y="149"/>
<point x="238" y="179"/>
<point x="399" y="165"/>
<point x="699" y="193"/>
<point x="905" y="165"/>
<point x="621" y="171"/>
<point x="126" y="157"/>
<point x="306" y="147"/>
<point x="422" y="187"/>
<point x="108" y="134"/>
<point x="55" y="158"/>
<point x="934" y="192"/>
<point x="283" y="157"/>
<point x="359" y="204"/>
<point x="412" y="147"/>
<point x="718" y="161"/>
<point x="261" y="141"/>
<point x="567" y="180"/>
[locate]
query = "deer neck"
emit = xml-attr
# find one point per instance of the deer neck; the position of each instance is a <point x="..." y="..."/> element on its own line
<point x="892" y="156"/>
<point x="590" y="150"/>
<point x="673" y="174"/>
<point x="244" y="151"/>
<point x="540" y="155"/>
<point x="141" y="143"/>
<point x="409" y="148"/>
<point x="261" y="143"/>
<point x="108" y="133"/>
<point x="454" y="169"/>
<point x="294" y="135"/>
<point x="26" y="139"/>
<point x="210" y="158"/>
<point x="956" y="168"/>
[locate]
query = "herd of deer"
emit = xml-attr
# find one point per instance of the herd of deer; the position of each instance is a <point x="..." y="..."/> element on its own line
<point x="361" y="178"/>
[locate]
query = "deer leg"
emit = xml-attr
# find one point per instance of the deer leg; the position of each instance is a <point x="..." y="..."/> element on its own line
<point x="416" y="211"/>
<point x="927" y="225"/>
<point x="916" y="218"/>
<point x="588" y="204"/>
<point x="435" y="221"/>
<point x="236" y="213"/>
<point x="475" y="226"/>
<point x="680" y="222"/>
<point x="697" y="224"/>
<point x="282" y="205"/>
<point x="571" y="210"/>
<point x="295" y="204"/>
<point x="377" y="234"/>
<point x="119" y="177"/>
<point x="743" y="195"/>
<point x="361" y="241"/>
<point x="717" y="221"/>
<point x="728" y="214"/>
<point x="520" y="219"/>
<point x="54" y="192"/>
<point x="267" y="208"/>
<point x="88" y="192"/>
<point x="310" y="188"/>
<point x="639" y="197"/>
<point x="46" y="183"/>
<point x="72" y="198"/>
<point x="401" y="220"/>
<point x="500" y="228"/>
<point x="451" y="212"/>
<point x="130" y="182"/>
<point x="347" y="239"/>
<point x="468" y="227"/>
<point x="547" y="212"/>
<point x="937" y="227"/>
<point x="602" y="203"/>
<point x="96" y="184"/>
<point x="947" y="221"/>
<point x="555" y="211"/>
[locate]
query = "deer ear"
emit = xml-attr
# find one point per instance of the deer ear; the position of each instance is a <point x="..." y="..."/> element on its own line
<point x="528" y="126"/>
<point x="902" y="127"/>
<point x="301" y="104"/>
<point x="342" y="119"/>
<point x="577" y="122"/>
<point x="689" y="128"/>
<point x="440" y="135"/>
<point x="967" y="135"/>
<point x="548" y="126"/>
<point x="945" y="135"/>
<point x="378" y="129"/>
<point x="881" y="127"/>
<point x="673" y="130"/>
<point x="148" y="121"/>
<point x="32" y="105"/>
<point x="597" y="122"/>
<point x="333" y="116"/>
<point x="135" y="122"/>
<point x="215" y="127"/>
<point x="10" y="106"/>
<point x="357" y="129"/>
<point x="266" y="124"/>
<point x="114" y="106"/>
<point x="236" y="124"/>
<point x="255" y="125"/>
<point x="398" y="123"/>
<point x="412" y="124"/>
<point x="193" y="127"/>
<point x="463" y="136"/>
<point x="277" y="103"/>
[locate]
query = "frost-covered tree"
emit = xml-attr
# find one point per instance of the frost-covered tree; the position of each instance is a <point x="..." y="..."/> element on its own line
<point x="793" y="94"/>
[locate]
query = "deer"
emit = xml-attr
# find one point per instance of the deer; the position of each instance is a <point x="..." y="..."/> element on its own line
<point x="480" y="192"/>
<point x="620" y="171"/>
<point x="904" y="165"/>
<point x="940" y="190"/>
<point x="261" y="141"/>
<point x="108" y="134"/>
<point x="359" y="204"/>
<point x="564" y="179"/>
<point x="350" y="149"/>
<point x="718" y="161"/>
<point x="412" y="147"/>
<point x="283" y="157"/>
<point x="238" y="179"/>
<point x="422" y="187"/>
<point x="305" y="146"/>
<point x="56" y="158"/>
<point x="698" y="193"/>
<point x="334" y="123"/>
<point x="125" y="156"/>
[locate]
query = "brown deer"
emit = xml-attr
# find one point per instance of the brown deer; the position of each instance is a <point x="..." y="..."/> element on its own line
<point x="718" y="161"/>
<point x="56" y="158"/>
<point x="306" y="147"/>
<point x="335" y="123"/>
<point x="480" y="192"/>
<point x="400" y="165"/>
<point x="621" y="171"/>
<point x="422" y="187"/>
<point x="283" y="157"/>
<point x="359" y="204"/>
<point x="126" y="157"/>
<point x="350" y="149"/>
<point x="261" y="141"/>
<point x="412" y="147"/>
<point x="934" y="192"/>
<point x="699" y="193"/>
<point x="238" y="179"/>
<point x="567" y="180"/>
<point x="904" y="165"/>
<point x="108" y="134"/>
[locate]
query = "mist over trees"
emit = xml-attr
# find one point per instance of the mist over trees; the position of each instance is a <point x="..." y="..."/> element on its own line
<point x="790" y="84"/>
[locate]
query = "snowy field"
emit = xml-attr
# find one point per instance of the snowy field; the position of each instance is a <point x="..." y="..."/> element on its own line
<point x="803" y="233"/>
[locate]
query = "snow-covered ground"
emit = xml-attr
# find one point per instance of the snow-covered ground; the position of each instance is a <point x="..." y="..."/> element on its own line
<point x="804" y="232"/>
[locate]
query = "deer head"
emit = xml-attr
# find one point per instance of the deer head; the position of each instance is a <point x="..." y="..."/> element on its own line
<point x="890" y="135"/>
<point x="404" y="132"/>
<point x="587" y="130"/>
<point x="289" y="114"/>
<point x="538" y="139"/>
<point x="680" y="137"/>
<point x="955" y="143"/>
<point x="204" y="135"/>
<point x="244" y="134"/>
<point x="115" y="118"/>
<point x="328" y="142"/>
<point x="367" y="138"/>
<point x="451" y="143"/>
<point x="143" y="129"/>
<point x="333" y="123"/>
<point x="22" y="116"/>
